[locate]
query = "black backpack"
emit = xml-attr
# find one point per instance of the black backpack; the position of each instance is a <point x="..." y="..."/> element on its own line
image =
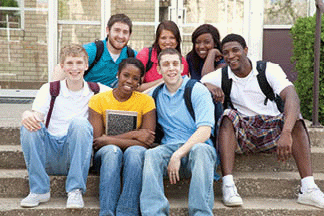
<point x="100" y="48"/>
<point x="263" y="83"/>
<point x="149" y="63"/>
<point x="55" y="91"/>
<point x="187" y="97"/>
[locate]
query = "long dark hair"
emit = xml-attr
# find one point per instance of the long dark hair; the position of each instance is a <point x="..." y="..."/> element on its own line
<point x="203" y="29"/>
<point x="170" y="26"/>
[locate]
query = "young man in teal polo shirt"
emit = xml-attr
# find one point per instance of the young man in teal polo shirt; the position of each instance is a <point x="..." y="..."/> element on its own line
<point x="119" y="30"/>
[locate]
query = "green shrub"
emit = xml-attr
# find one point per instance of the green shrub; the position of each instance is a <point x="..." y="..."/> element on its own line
<point x="303" y="35"/>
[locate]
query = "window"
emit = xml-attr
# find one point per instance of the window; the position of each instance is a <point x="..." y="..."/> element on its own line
<point x="10" y="14"/>
<point x="285" y="12"/>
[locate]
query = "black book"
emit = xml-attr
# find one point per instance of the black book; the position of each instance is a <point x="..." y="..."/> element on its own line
<point x="119" y="122"/>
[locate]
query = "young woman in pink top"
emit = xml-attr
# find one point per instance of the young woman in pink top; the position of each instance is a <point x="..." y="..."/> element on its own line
<point x="167" y="36"/>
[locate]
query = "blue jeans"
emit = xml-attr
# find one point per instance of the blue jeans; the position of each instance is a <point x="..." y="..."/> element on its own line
<point x="199" y="163"/>
<point x="120" y="179"/>
<point x="68" y="155"/>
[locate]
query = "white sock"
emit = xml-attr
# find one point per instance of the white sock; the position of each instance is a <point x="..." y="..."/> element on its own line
<point x="307" y="182"/>
<point x="228" y="180"/>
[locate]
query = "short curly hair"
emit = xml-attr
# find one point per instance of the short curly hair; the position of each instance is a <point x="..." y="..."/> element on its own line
<point x="234" y="37"/>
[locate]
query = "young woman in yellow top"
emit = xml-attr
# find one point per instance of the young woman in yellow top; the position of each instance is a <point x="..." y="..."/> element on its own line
<point x="120" y="158"/>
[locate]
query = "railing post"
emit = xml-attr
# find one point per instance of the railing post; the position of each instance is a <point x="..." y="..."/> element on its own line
<point x="317" y="46"/>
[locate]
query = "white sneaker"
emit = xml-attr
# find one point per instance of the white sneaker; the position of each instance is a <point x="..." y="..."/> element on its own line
<point x="230" y="196"/>
<point x="75" y="199"/>
<point x="313" y="197"/>
<point x="33" y="200"/>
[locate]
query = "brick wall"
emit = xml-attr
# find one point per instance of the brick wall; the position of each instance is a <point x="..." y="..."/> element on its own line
<point x="138" y="11"/>
<point x="23" y="57"/>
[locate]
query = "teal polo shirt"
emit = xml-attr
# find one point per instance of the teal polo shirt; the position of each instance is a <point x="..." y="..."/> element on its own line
<point x="105" y="71"/>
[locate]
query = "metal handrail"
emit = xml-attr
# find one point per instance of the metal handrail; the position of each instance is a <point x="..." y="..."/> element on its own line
<point x="317" y="45"/>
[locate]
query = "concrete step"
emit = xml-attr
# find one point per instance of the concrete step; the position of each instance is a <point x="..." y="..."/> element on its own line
<point x="10" y="114"/>
<point x="55" y="207"/>
<point x="14" y="183"/>
<point x="10" y="130"/>
<point x="11" y="157"/>
<point x="283" y="185"/>
<point x="10" y="135"/>
<point x="316" y="135"/>
<point x="269" y="163"/>
<point x="10" y="122"/>
<point x="251" y="207"/>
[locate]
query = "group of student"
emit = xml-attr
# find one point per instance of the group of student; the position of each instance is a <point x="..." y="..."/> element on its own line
<point x="131" y="165"/>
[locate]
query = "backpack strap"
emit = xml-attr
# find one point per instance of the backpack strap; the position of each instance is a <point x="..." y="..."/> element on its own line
<point x="187" y="97"/>
<point x="263" y="82"/>
<point x="94" y="87"/>
<point x="266" y="88"/>
<point x="149" y="63"/>
<point x="159" y="133"/>
<point x="156" y="92"/>
<point x="226" y="87"/>
<point x="100" y="48"/>
<point x="54" y="92"/>
<point x="130" y="52"/>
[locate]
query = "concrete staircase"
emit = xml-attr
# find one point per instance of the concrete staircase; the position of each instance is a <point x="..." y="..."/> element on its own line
<point x="266" y="186"/>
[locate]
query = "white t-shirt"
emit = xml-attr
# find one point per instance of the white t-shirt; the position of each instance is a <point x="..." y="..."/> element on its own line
<point x="68" y="104"/>
<point x="246" y="94"/>
<point x="114" y="56"/>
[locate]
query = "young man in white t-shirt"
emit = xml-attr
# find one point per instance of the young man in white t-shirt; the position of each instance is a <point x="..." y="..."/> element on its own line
<point x="65" y="147"/>
<point x="255" y="124"/>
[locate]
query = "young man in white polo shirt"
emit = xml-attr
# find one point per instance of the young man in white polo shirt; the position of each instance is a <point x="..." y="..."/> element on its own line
<point x="65" y="147"/>
<point x="255" y="124"/>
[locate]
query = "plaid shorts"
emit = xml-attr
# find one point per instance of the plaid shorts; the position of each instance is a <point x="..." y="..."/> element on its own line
<point x="255" y="133"/>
